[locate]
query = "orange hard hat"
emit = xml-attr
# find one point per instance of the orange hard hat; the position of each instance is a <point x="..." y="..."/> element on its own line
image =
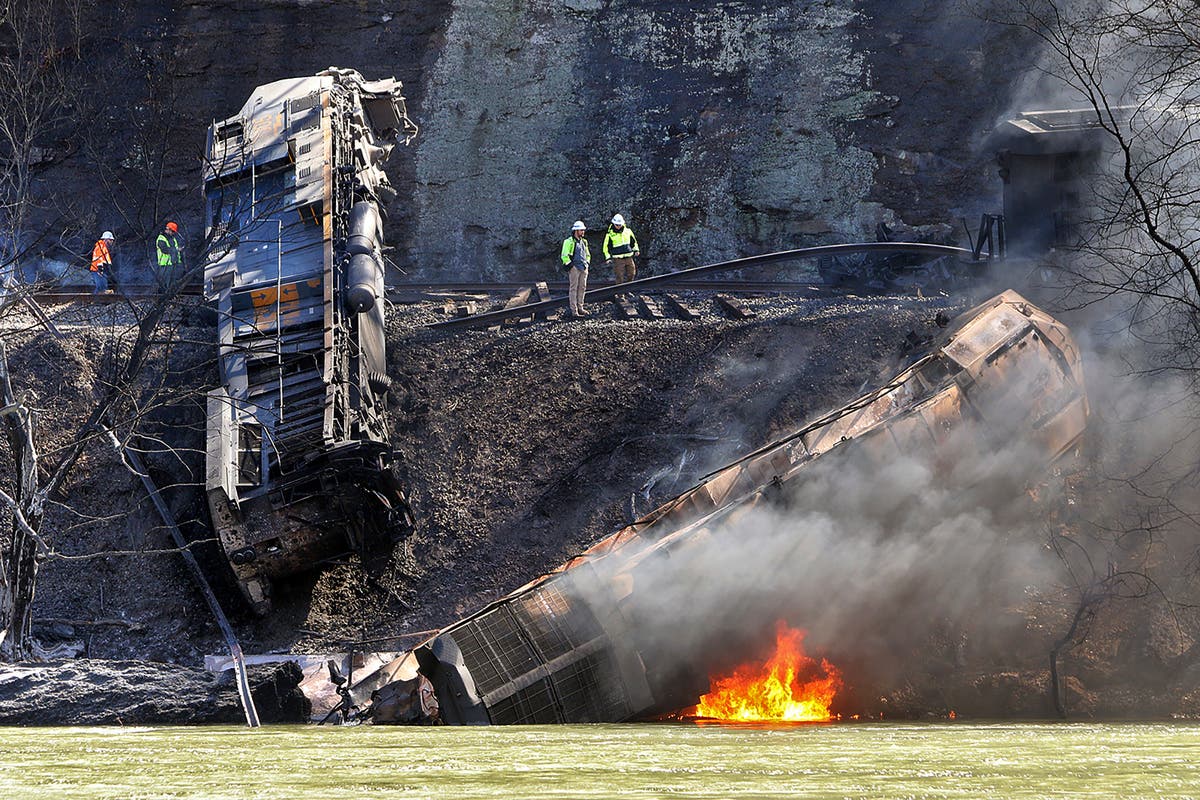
<point x="172" y="227"/>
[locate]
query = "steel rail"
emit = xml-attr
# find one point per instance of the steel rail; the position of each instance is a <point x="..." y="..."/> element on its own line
<point x="608" y="292"/>
<point x="450" y="289"/>
<point x="84" y="295"/>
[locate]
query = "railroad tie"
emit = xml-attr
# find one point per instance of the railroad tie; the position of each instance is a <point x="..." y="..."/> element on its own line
<point x="543" y="293"/>
<point x="682" y="309"/>
<point x="652" y="307"/>
<point x="734" y="307"/>
<point x="519" y="299"/>
<point x="625" y="307"/>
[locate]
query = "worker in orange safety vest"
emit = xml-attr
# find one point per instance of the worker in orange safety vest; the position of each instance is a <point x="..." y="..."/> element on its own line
<point x="102" y="263"/>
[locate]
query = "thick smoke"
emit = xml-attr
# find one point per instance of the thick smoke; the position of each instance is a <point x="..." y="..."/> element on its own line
<point x="869" y="560"/>
<point x="941" y="557"/>
<point x="968" y="558"/>
<point x="979" y="552"/>
<point x="874" y="556"/>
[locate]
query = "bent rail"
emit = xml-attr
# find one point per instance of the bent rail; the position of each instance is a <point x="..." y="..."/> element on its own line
<point x="608" y="292"/>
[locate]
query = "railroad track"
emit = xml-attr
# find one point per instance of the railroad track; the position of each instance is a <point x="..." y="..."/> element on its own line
<point x="401" y="290"/>
<point x="694" y="278"/>
<point x="698" y="285"/>
<point x="519" y="305"/>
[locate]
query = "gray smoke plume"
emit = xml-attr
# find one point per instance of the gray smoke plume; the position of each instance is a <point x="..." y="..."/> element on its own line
<point x="871" y="555"/>
<point x="970" y="558"/>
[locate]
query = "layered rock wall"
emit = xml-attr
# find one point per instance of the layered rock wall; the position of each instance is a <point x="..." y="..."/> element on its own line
<point x="718" y="129"/>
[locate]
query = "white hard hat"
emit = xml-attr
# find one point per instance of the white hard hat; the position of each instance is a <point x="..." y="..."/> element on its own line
<point x="579" y="226"/>
<point x="618" y="220"/>
<point x="106" y="235"/>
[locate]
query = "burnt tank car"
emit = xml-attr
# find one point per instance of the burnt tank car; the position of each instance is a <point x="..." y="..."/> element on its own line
<point x="578" y="645"/>
<point x="299" y="467"/>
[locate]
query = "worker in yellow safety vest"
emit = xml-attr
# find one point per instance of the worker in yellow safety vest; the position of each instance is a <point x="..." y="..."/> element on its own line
<point x="170" y="255"/>
<point x="620" y="248"/>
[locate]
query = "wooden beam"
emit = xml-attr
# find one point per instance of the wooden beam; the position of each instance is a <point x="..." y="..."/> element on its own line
<point x="682" y="309"/>
<point x="734" y="308"/>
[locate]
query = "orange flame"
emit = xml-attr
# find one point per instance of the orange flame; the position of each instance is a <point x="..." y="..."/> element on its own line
<point x="775" y="691"/>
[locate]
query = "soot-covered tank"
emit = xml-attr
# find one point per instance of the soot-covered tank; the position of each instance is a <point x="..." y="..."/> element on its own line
<point x="299" y="468"/>
<point x="585" y="643"/>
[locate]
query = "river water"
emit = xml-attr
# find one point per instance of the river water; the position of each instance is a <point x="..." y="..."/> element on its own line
<point x="867" y="760"/>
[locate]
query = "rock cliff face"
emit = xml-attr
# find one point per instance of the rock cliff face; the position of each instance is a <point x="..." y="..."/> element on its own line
<point x="717" y="128"/>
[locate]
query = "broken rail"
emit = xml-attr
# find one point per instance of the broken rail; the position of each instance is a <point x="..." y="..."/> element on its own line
<point x="609" y="292"/>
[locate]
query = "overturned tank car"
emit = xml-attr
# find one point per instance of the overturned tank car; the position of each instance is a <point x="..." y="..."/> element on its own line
<point x="578" y="644"/>
<point x="298" y="461"/>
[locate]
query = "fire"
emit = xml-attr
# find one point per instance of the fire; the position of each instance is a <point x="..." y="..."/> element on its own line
<point x="777" y="690"/>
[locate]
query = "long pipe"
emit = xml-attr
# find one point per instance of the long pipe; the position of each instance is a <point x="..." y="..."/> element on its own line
<point x="134" y="461"/>
<point x="607" y="292"/>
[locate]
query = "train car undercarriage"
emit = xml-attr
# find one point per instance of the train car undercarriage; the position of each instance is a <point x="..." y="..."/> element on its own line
<point x="298" y="460"/>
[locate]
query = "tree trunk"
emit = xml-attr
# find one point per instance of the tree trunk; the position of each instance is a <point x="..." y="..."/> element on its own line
<point x="18" y="580"/>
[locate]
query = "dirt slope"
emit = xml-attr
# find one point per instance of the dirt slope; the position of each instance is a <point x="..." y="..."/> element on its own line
<point x="520" y="447"/>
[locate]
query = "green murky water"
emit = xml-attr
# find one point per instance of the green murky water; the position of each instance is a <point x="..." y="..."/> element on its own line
<point x="944" y="760"/>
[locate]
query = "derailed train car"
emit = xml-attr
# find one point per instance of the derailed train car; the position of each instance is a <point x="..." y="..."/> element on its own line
<point x="576" y="646"/>
<point x="298" y="459"/>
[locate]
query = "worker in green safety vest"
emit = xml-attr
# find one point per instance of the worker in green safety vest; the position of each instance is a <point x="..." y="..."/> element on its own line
<point x="170" y="255"/>
<point x="575" y="258"/>
<point x="620" y="248"/>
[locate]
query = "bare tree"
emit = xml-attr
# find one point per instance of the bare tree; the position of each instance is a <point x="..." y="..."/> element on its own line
<point x="39" y="54"/>
<point x="135" y="378"/>
<point x="1135" y="65"/>
<point x="40" y="46"/>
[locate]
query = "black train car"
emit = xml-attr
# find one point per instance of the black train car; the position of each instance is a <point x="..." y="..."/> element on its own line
<point x="298" y="460"/>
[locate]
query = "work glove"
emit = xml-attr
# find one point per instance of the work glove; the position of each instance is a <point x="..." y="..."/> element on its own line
<point x="608" y="262"/>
